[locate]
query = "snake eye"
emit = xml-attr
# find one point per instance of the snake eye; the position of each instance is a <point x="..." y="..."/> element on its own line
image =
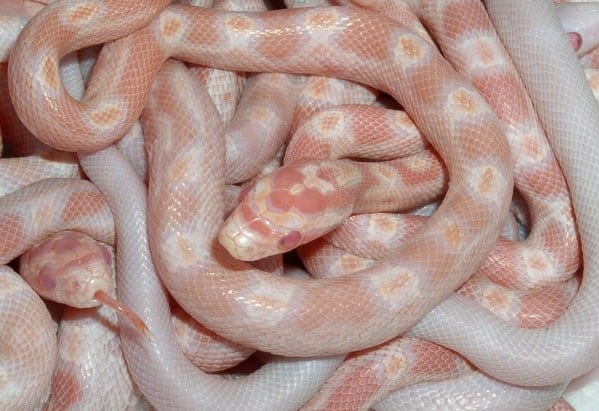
<point x="47" y="278"/>
<point x="290" y="240"/>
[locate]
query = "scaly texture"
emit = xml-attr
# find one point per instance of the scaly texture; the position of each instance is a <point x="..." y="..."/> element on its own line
<point x="28" y="344"/>
<point x="164" y="375"/>
<point x="461" y="113"/>
<point x="566" y="107"/>
<point x="362" y="309"/>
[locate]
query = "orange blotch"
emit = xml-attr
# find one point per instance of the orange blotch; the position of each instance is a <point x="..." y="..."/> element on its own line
<point x="379" y="37"/>
<point x="171" y="26"/>
<point x="50" y="73"/>
<point x="409" y="48"/>
<point x="240" y="24"/>
<point x="259" y="226"/>
<point x="317" y="88"/>
<point x="501" y="88"/>
<point x="286" y="177"/>
<point x="12" y="230"/>
<point x="310" y="201"/>
<point x="322" y="19"/>
<point x="277" y="43"/>
<point x="464" y="101"/>
<point x="496" y="298"/>
<point x="247" y="212"/>
<point x="181" y="169"/>
<point x="186" y="250"/>
<point x="488" y="181"/>
<point x="350" y="263"/>
<point x="454" y="235"/>
<point x="396" y="364"/>
<point x="396" y="284"/>
<point x="66" y="390"/>
<point x="280" y="201"/>
<point x="204" y="30"/>
<point x="356" y="388"/>
<point x="82" y="13"/>
<point x="432" y="360"/>
<point x="330" y="121"/>
<point x="537" y="263"/>
<point x="541" y="308"/>
<point x="486" y="53"/>
<point x="83" y="204"/>
<point x="106" y="116"/>
<point x="463" y="17"/>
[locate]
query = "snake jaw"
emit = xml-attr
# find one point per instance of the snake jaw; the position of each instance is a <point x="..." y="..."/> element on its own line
<point x="242" y="241"/>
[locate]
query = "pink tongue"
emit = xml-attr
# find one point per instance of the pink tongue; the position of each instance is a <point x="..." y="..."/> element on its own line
<point x="575" y="40"/>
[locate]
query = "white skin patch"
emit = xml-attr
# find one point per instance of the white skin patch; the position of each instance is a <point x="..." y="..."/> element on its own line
<point x="403" y="122"/>
<point x="312" y="180"/>
<point x="322" y="19"/>
<point x="236" y="29"/>
<point x="172" y="27"/>
<point x="76" y="348"/>
<point x="7" y="384"/>
<point x="345" y="176"/>
<point x="381" y="228"/>
<point x="561" y="210"/>
<point x="465" y="103"/>
<point x="534" y="152"/>
<point x="82" y="14"/>
<point x="395" y="364"/>
<point x="47" y="73"/>
<point x="41" y="216"/>
<point x="264" y="115"/>
<point x="409" y="51"/>
<point x="396" y="288"/>
<point x="483" y="52"/>
<point x="333" y="126"/>
<point x="452" y="234"/>
<point x="181" y="249"/>
<point x="107" y="114"/>
<point x="495" y="299"/>
<point x="486" y="182"/>
<point x="538" y="264"/>
<point x="592" y="76"/>
<point x="9" y="286"/>
<point x="345" y="264"/>
<point x="265" y="297"/>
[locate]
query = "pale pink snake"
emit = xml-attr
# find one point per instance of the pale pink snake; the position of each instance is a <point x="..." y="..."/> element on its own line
<point x="285" y="315"/>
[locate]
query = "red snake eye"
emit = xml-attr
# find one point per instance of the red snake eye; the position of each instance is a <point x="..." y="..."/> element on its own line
<point x="291" y="240"/>
<point x="47" y="278"/>
<point x="575" y="40"/>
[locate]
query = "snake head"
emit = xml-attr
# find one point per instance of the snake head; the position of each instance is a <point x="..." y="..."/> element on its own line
<point x="73" y="269"/>
<point x="68" y="267"/>
<point x="289" y="207"/>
